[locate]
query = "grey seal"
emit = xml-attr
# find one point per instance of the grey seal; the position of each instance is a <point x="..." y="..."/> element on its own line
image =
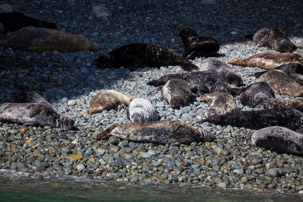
<point x="141" y="110"/>
<point x="27" y="96"/>
<point x="278" y="103"/>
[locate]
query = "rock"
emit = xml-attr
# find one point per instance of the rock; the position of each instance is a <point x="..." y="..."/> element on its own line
<point x="272" y="172"/>
<point x="80" y="167"/>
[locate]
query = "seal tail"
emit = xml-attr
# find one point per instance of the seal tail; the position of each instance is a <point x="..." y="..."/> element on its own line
<point x="105" y="134"/>
<point x="237" y="62"/>
<point x="153" y="83"/>
<point x="95" y="47"/>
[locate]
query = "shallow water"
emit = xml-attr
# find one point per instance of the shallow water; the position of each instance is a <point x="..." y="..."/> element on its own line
<point x="19" y="187"/>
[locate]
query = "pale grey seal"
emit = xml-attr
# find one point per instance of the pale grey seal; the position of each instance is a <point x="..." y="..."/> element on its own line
<point x="141" y="110"/>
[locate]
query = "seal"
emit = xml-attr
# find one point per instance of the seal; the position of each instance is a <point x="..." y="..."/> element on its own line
<point x="269" y="60"/>
<point x="44" y="39"/>
<point x="134" y="56"/>
<point x="13" y="21"/>
<point x="273" y="38"/>
<point x="141" y="110"/>
<point x="255" y="94"/>
<point x="108" y="100"/>
<point x="281" y="83"/>
<point x="257" y="119"/>
<point x="278" y="103"/>
<point x="177" y="93"/>
<point x="32" y="114"/>
<point x="198" y="46"/>
<point x="160" y="132"/>
<point x="279" y="139"/>
<point x="220" y="103"/>
<point x="27" y="96"/>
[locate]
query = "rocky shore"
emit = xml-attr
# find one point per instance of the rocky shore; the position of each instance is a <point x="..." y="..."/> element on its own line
<point x="70" y="80"/>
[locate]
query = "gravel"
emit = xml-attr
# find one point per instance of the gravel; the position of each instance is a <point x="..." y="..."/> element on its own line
<point x="69" y="80"/>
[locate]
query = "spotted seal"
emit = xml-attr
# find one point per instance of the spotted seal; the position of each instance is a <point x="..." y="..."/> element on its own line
<point x="256" y="93"/>
<point x="161" y="132"/>
<point x="279" y="139"/>
<point x="198" y="46"/>
<point x="108" y="100"/>
<point x="269" y="60"/>
<point x="219" y="103"/>
<point x="33" y="114"/>
<point x="278" y="103"/>
<point x="27" y="96"/>
<point x="141" y="110"/>
<point x="134" y="56"/>
<point x="177" y="93"/>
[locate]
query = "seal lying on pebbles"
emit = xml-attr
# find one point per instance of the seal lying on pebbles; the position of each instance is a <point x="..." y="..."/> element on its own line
<point x="141" y="110"/>
<point x="273" y="38"/>
<point x="255" y="94"/>
<point x="177" y="93"/>
<point x="269" y="60"/>
<point x="161" y="132"/>
<point x="27" y="96"/>
<point x="281" y="83"/>
<point x="34" y="115"/>
<point x="133" y="56"/>
<point x="278" y="103"/>
<point x="220" y="103"/>
<point x="279" y="139"/>
<point x="257" y="119"/>
<point x="43" y="39"/>
<point x="198" y="46"/>
<point x="108" y="100"/>
<point x="13" y="21"/>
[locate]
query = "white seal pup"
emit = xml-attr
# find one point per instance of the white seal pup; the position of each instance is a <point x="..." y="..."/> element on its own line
<point x="141" y="110"/>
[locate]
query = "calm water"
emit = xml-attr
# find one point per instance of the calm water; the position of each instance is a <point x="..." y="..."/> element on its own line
<point x="16" y="188"/>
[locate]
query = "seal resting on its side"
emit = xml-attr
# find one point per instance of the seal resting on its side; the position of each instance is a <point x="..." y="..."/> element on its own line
<point x="108" y="100"/>
<point x="161" y="132"/>
<point x="269" y="60"/>
<point x="273" y="38"/>
<point x="141" y="110"/>
<point x="34" y="115"/>
<point x="177" y="93"/>
<point x="279" y="139"/>
<point x="278" y="103"/>
<point x="257" y="119"/>
<point x="220" y="103"/>
<point x="198" y="46"/>
<point x="134" y="56"/>
<point x="28" y="96"/>
<point x="256" y="93"/>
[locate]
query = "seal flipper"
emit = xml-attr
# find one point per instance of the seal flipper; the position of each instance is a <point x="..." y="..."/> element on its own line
<point x="189" y="67"/>
<point x="34" y="110"/>
<point x="105" y="134"/>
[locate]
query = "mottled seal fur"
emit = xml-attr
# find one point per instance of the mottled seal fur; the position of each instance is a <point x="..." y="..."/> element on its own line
<point x="14" y="21"/>
<point x="279" y="139"/>
<point x="161" y="132"/>
<point x="269" y="60"/>
<point x="278" y="103"/>
<point x="33" y="114"/>
<point x="134" y="56"/>
<point x="108" y="100"/>
<point x="273" y="38"/>
<point x="257" y="119"/>
<point x="198" y="46"/>
<point x="141" y="110"/>
<point x="44" y="39"/>
<point x="219" y="103"/>
<point x="256" y="93"/>
<point x="281" y="83"/>
<point x="177" y="93"/>
<point x="27" y="96"/>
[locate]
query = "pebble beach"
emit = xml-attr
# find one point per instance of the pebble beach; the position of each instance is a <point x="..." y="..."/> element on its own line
<point x="69" y="80"/>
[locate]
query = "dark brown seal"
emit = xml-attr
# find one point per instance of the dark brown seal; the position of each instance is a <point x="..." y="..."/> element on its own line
<point x="34" y="115"/>
<point x="161" y="132"/>
<point x="273" y="38"/>
<point x="278" y="103"/>
<point x="134" y="56"/>
<point x="279" y="139"/>
<point x="269" y="60"/>
<point x="44" y="39"/>
<point x="257" y="119"/>
<point x="198" y="46"/>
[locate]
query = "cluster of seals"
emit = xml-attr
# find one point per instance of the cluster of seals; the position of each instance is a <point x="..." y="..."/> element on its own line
<point x="108" y="100"/>
<point x="160" y="132"/>
<point x="256" y="93"/>
<point x="269" y="60"/>
<point x="141" y="110"/>
<point x="134" y="56"/>
<point x="219" y="103"/>
<point x="198" y="46"/>
<point x="44" y="39"/>
<point x="177" y="93"/>
<point x="279" y="139"/>
<point x="273" y="38"/>
<point x="278" y="103"/>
